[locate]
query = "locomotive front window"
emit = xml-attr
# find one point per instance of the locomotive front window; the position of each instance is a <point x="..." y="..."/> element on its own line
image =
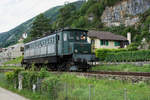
<point x="81" y="36"/>
<point x="75" y="36"/>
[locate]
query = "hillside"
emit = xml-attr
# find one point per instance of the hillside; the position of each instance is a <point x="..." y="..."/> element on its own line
<point x="117" y="16"/>
<point x="12" y="36"/>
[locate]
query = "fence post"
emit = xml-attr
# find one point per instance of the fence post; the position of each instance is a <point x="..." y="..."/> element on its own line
<point x="93" y="92"/>
<point x="20" y="77"/>
<point x="66" y="98"/>
<point x="34" y="87"/>
<point x="125" y="94"/>
<point x="89" y="92"/>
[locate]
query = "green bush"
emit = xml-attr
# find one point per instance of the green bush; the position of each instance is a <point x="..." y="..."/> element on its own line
<point x="12" y="77"/>
<point x="49" y="85"/>
<point x="128" y="56"/>
<point x="102" y="53"/>
<point x="29" y="78"/>
<point x="15" y="61"/>
<point x="133" y="46"/>
<point x="123" y="55"/>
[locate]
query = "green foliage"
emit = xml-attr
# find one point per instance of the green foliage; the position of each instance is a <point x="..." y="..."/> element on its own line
<point x="43" y="73"/>
<point x="72" y="87"/>
<point x="133" y="46"/>
<point x="102" y="53"/>
<point x="40" y="26"/>
<point x="128" y="56"/>
<point x="82" y="22"/>
<point x="131" y="54"/>
<point x="49" y="84"/>
<point x="12" y="77"/>
<point x="122" y="68"/>
<point x="146" y="29"/>
<point x="14" y="61"/>
<point x="29" y="78"/>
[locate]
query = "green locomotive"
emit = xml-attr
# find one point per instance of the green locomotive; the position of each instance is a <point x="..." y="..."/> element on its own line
<point x="65" y="49"/>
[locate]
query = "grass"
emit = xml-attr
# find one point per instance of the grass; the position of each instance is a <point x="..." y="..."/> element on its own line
<point x="103" y="89"/>
<point x="72" y="87"/>
<point x="14" y="61"/>
<point x="122" y="67"/>
<point x="11" y="67"/>
<point x="26" y="93"/>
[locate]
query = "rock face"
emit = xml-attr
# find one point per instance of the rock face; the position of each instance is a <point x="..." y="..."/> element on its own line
<point x="125" y="12"/>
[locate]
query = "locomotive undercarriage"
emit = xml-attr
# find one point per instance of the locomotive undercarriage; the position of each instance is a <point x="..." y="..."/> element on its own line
<point x="64" y="63"/>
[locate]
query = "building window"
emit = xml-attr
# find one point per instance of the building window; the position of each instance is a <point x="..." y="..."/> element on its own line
<point x="117" y="43"/>
<point x="104" y="42"/>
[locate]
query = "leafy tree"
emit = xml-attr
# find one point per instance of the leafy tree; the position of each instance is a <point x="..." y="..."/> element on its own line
<point x="65" y="16"/>
<point x="80" y="23"/>
<point x="41" y="25"/>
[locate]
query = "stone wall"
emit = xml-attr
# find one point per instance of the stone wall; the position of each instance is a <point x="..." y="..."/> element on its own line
<point x="125" y="12"/>
<point x="133" y="79"/>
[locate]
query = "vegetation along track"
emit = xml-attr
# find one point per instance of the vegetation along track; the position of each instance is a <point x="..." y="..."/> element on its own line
<point x="144" y="74"/>
<point x="5" y="70"/>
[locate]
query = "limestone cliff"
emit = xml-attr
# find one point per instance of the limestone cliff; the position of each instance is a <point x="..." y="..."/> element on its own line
<point x="125" y="12"/>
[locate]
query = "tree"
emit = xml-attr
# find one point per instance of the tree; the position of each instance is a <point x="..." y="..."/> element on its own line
<point x="65" y="16"/>
<point x="40" y="26"/>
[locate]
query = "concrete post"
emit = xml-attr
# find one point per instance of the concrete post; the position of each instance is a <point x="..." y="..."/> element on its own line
<point x="20" y="82"/>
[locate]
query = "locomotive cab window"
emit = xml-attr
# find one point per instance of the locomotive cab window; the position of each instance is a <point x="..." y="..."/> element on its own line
<point x="65" y="36"/>
<point x="81" y="36"/>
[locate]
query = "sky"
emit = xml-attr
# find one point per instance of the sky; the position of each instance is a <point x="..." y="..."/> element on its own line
<point x="15" y="12"/>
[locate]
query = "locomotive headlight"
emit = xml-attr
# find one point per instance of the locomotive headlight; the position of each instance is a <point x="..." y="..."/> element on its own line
<point x="76" y="51"/>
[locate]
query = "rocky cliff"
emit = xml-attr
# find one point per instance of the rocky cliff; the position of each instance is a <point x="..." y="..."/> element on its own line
<point x="125" y="12"/>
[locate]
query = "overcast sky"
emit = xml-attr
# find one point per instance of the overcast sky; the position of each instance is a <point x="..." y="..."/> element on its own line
<point x="15" y="12"/>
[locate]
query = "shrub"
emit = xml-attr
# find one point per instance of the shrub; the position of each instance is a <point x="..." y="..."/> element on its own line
<point x="133" y="46"/>
<point x="12" y="77"/>
<point x="50" y="84"/>
<point x="29" y="78"/>
<point x="128" y="56"/>
<point x="102" y="53"/>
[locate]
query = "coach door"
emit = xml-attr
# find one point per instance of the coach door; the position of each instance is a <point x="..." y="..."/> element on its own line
<point x="59" y="43"/>
<point x="65" y="43"/>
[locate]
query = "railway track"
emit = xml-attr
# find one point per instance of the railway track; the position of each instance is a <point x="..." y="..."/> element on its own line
<point x="144" y="74"/>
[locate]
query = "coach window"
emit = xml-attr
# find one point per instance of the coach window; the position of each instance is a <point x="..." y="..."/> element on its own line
<point x="52" y="39"/>
<point x="44" y="42"/>
<point x="47" y="42"/>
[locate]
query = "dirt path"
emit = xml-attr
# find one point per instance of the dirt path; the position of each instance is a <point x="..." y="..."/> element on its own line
<point x="7" y="95"/>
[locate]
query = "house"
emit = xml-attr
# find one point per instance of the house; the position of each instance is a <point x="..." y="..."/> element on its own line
<point x="101" y="39"/>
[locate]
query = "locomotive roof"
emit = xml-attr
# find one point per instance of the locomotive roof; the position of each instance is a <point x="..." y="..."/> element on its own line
<point x="40" y="39"/>
<point x="74" y="30"/>
<point x="53" y="34"/>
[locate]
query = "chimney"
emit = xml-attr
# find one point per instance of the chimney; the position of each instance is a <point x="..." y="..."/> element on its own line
<point x="129" y="37"/>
